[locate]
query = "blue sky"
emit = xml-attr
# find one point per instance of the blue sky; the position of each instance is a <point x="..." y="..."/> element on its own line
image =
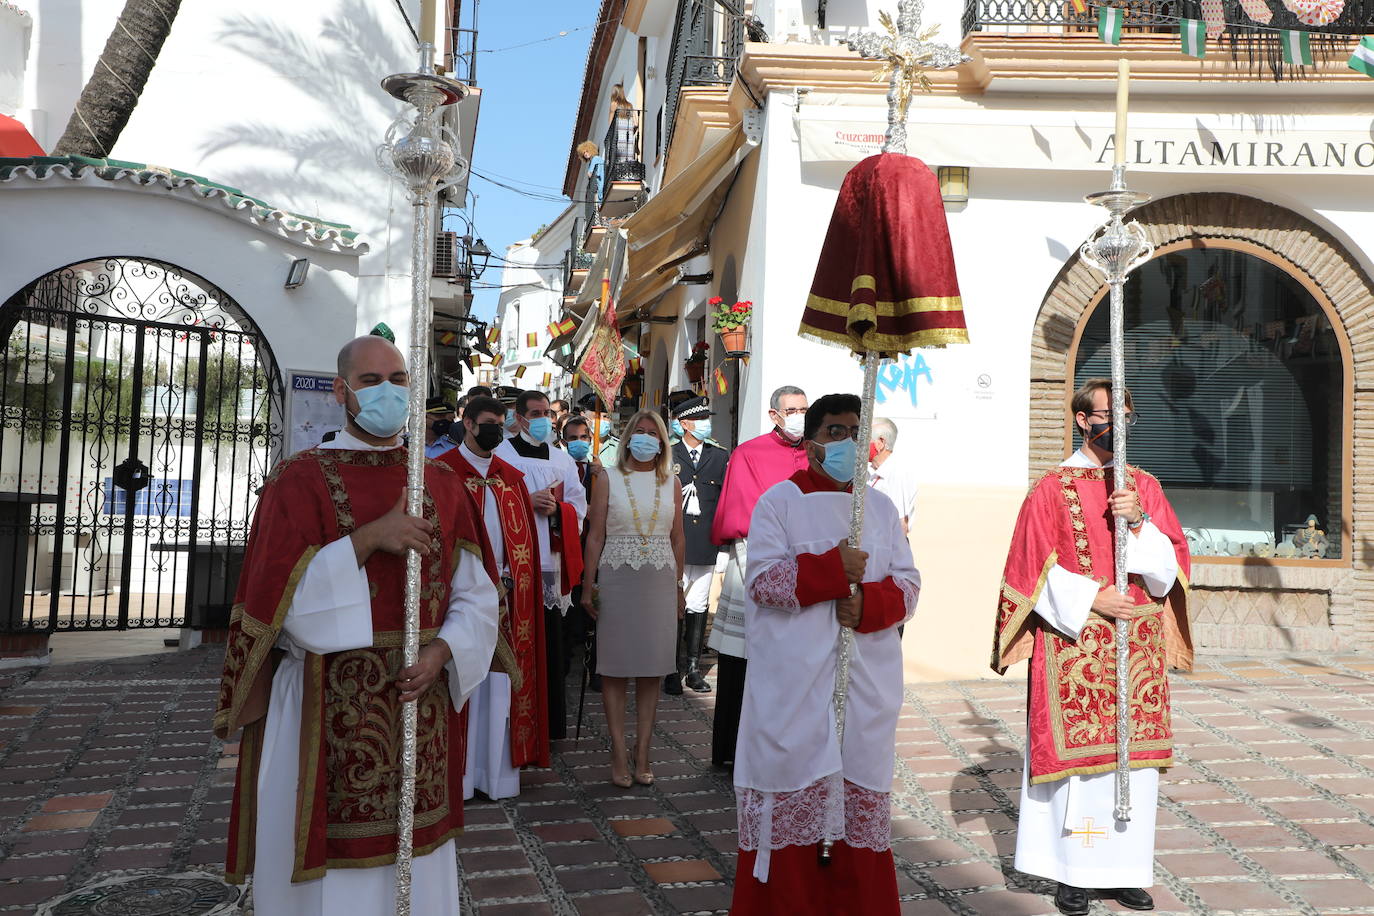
<point x="529" y="102"/>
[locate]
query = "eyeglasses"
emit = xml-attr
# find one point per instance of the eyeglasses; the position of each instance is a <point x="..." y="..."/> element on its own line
<point x="1131" y="418"/>
<point x="838" y="431"/>
<point x="790" y="411"/>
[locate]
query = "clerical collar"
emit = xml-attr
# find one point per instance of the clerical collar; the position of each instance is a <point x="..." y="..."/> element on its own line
<point x="482" y="465"/>
<point x="526" y="450"/>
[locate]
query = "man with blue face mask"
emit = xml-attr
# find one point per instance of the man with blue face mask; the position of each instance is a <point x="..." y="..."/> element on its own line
<point x="701" y="469"/>
<point x="560" y="505"/>
<point x="320" y="614"/>
<point x="794" y="785"/>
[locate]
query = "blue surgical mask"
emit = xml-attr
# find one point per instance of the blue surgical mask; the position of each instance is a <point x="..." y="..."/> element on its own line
<point x="644" y="446"/>
<point x="677" y="429"/>
<point x="579" y="449"/>
<point x="509" y="422"/>
<point x="839" y="459"/>
<point x="605" y="429"/>
<point x="702" y="429"/>
<point x="540" y="427"/>
<point x="381" y="408"/>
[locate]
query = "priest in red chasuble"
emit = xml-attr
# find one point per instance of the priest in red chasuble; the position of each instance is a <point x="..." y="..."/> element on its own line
<point x="313" y="674"/>
<point x="508" y="714"/>
<point x="1058" y="608"/>
<point x="794" y="785"/>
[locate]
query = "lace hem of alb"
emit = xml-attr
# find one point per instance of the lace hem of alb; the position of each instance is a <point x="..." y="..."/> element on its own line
<point x="637" y="552"/>
<point x="828" y="809"/>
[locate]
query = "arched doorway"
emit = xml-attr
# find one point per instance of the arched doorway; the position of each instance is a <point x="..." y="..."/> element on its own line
<point x="142" y="410"/>
<point x="1248" y="330"/>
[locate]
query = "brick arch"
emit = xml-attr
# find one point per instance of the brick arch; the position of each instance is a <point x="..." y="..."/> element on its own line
<point x="1314" y="257"/>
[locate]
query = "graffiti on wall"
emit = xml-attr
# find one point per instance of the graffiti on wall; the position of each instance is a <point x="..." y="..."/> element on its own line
<point x="903" y="377"/>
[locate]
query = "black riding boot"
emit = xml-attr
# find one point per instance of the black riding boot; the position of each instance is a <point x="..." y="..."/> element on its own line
<point x="696" y="632"/>
<point x="672" y="684"/>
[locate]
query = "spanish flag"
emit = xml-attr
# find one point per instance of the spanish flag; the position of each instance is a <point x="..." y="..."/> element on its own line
<point x="722" y="386"/>
<point x="532" y="339"/>
<point x="519" y="372"/>
<point x="447" y="337"/>
<point x="548" y="379"/>
<point x="553" y="329"/>
<point x="1079" y="6"/>
<point x="493" y="335"/>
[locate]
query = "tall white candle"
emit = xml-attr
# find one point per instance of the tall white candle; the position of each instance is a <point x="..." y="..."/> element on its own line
<point x="1123" y="85"/>
<point x="427" y="20"/>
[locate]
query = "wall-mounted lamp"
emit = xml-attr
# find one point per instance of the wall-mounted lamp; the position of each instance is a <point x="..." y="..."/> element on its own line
<point x="953" y="183"/>
<point x="296" y="275"/>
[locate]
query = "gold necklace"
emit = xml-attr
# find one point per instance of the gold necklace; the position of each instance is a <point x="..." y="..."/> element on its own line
<point x="634" y="506"/>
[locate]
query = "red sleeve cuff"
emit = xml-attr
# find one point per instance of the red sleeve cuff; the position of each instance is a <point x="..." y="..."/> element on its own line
<point x="820" y="577"/>
<point x="884" y="606"/>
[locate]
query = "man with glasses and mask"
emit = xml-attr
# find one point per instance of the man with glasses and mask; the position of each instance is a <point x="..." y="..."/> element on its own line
<point x="1058" y="607"/>
<point x="313" y="672"/>
<point x="560" y="505"/>
<point x="507" y="726"/>
<point x="754" y="467"/>
<point x="795" y="787"/>
<point x="438" y="421"/>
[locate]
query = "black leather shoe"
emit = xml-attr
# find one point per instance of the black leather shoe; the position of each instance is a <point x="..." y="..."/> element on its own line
<point x="1133" y="898"/>
<point x="672" y="685"/>
<point x="1072" y="901"/>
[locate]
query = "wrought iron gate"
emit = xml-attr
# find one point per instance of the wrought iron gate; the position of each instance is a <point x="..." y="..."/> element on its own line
<point x="141" y="412"/>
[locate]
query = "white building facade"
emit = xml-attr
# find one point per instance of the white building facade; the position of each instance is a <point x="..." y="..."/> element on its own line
<point x="534" y="277"/>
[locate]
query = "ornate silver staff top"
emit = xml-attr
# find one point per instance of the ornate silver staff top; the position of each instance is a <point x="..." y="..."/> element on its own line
<point x="422" y="153"/>
<point x="1116" y="249"/>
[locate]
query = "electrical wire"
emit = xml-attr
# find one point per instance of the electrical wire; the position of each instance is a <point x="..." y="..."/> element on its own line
<point x="563" y="34"/>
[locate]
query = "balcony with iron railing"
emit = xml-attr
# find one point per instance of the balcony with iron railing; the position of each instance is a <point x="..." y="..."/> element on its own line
<point x="462" y="41"/>
<point x="705" y="53"/>
<point x="1242" y="39"/>
<point x="576" y="262"/>
<point x="622" y="184"/>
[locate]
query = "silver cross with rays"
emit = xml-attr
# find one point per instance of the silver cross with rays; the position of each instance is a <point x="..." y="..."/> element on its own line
<point x="906" y="54"/>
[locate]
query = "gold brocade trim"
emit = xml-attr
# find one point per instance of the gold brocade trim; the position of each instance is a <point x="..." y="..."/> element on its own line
<point x="378" y="861"/>
<point x="504" y="656"/>
<point x="888" y="345"/>
<point x="1024" y="605"/>
<point x="1163" y="763"/>
<point x="250" y="760"/>
<point x="469" y="546"/>
<point x="310" y="773"/>
<point x="338" y="493"/>
<point x="863" y="281"/>
<point x="363" y="831"/>
<point x="885" y="308"/>
<point x="394" y="639"/>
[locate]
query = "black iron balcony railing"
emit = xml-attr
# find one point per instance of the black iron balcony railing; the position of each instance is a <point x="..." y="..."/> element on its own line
<point x="575" y="258"/>
<point x="462" y="41"/>
<point x="1040" y="17"/>
<point x="700" y="56"/>
<point x="622" y="151"/>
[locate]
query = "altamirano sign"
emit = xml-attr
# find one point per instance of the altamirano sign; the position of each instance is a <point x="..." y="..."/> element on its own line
<point x="824" y="137"/>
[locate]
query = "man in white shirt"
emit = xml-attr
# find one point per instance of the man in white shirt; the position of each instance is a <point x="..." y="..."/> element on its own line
<point x="892" y="478"/>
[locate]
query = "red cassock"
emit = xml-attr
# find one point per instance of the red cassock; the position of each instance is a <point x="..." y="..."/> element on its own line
<point x="520" y="649"/>
<point x="1072" y="696"/>
<point x="351" y="734"/>
<point x="885" y="280"/>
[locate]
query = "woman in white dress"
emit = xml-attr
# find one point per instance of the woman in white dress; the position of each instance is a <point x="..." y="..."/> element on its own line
<point x="634" y="558"/>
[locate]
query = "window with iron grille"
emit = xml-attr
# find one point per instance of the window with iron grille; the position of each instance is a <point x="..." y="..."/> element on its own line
<point x="163" y="496"/>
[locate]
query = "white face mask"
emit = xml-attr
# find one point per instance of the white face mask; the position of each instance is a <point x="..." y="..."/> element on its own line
<point x="794" y="426"/>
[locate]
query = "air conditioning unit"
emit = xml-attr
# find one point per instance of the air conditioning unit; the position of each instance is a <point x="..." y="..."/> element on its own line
<point x="445" y="254"/>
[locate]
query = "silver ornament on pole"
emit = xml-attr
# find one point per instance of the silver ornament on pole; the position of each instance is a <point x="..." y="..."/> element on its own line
<point x="423" y="154"/>
<point x="907" y="53"/>
<point x="1116" y="249"/>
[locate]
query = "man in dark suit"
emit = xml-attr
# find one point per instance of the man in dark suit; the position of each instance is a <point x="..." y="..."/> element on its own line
<point x="700" y="465"/>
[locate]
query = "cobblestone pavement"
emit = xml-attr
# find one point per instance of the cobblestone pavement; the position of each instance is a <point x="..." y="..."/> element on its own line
<point x="109" y="766"/>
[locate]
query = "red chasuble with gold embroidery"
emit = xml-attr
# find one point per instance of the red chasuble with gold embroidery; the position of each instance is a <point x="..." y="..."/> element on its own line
<point x="351" y="721"/>
<point x="1072" y="697"/>
<point x="520" y="650"/>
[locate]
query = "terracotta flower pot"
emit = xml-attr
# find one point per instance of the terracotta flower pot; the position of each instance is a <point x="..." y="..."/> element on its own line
<point x="733" y="339"/>
<point x="695" y="371"/>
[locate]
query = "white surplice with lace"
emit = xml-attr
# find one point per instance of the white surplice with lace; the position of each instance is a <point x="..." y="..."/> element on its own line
<point x="1067" y="831"/>
<point x="793" y="783"/>
<point x="331" y="611"/>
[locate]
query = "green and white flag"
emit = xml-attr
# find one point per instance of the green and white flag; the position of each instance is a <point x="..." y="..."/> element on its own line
<point x="1363" y="58"/>
<point x="1297" y="48"/>
<point x="1193" y="33"/>
<point x="1109" y="24"/>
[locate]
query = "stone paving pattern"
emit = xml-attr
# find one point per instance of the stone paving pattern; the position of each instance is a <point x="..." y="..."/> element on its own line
<point x="108" y="766"/>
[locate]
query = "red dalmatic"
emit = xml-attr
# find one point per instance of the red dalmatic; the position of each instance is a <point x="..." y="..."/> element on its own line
<point x="351" y="733"/>
<point x="1072" y="698"/>
<point x="520" y="650"/>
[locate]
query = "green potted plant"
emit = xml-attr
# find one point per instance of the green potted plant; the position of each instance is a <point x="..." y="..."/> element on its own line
<point x="696" y="361"/>
<point x="731" y="322"/>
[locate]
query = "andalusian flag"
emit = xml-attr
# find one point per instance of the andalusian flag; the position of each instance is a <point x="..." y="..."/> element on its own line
<point x="1193" y="34"/>
<point x="1109" y="24"/>
<point x="1363" y="58"/>
<point x="722" y="385"/>
<point x="1297" y="48"/>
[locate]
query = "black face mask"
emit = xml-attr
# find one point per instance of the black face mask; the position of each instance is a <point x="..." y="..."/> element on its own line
<point x="441" y="427"/>
<point x="1100" y="435"/>
<point x="489" y="435"/>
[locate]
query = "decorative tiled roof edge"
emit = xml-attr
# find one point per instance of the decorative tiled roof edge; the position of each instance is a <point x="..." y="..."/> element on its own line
<point x="308" y="229"/>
